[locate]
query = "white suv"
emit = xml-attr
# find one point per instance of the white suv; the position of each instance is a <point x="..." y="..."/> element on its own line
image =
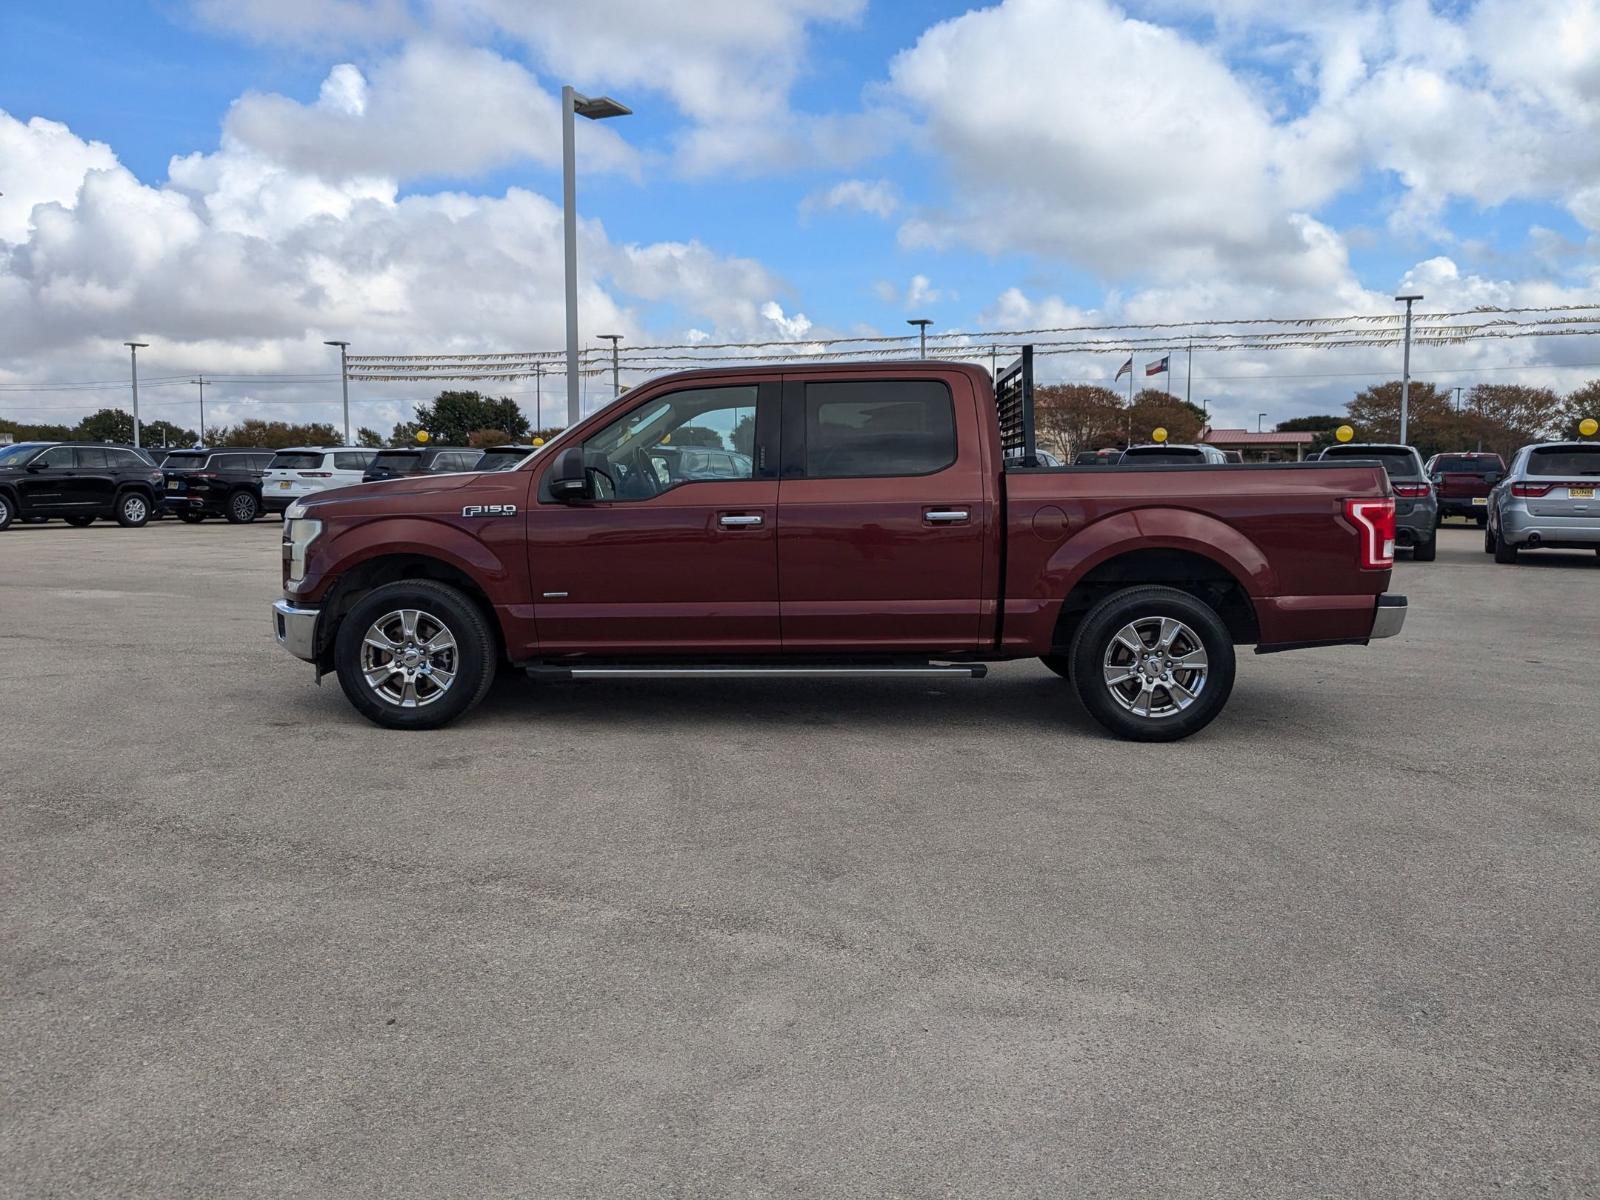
<point x="302" y="470"/>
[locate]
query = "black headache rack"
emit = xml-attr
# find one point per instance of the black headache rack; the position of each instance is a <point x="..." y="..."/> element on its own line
<point x="1013" y="402"/>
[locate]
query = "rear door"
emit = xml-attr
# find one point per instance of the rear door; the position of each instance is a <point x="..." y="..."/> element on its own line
<point x="882" y="511"/>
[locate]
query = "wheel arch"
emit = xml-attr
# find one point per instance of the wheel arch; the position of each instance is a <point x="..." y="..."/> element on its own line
<point x="362" y="577"/>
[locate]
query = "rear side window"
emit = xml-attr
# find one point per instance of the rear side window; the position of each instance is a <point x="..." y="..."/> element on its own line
<point x="455" y="460"/>
<point x="296" y="460"/>
<point x="126" y="459"/>
<point x="1565" y="460"/>
<point x="184" y="462"/>
<point x="353" y="460"/>
<point x="896" y="427"/>
<point x="91" y="458"/>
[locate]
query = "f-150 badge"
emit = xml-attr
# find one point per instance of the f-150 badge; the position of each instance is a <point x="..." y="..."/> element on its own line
<point x="489" y="510"/>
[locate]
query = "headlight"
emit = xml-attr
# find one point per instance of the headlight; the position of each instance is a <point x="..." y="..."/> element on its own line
<point x="293" y="513"/>
<point x="298" y="534"/>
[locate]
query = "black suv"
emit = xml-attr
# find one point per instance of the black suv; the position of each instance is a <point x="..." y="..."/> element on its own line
<point x="502" y="458"/>
<point x="216" y="483"/>
<point x="421" y="460"/>
<point x="78" y="481"/>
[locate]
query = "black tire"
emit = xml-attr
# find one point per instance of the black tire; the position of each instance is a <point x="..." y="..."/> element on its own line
<point x="1426" y="551"/>
<point x="8" y="512"/>
<point x="1059" y="663"/>
<point x="1488" y="538"/>
<point x="1483" y="520"/>
<point x="242" y="507"/>
<point x="1504" y="551"/>
<point x="79" y="522"/>
<point x="133" y="510"/>
<point x="190" y="517"/>
<point x="1099" y="632"/>
<point x="475" y="654"/>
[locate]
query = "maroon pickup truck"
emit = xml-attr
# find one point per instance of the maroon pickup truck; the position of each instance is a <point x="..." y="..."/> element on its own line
<point x="832" y="520"/>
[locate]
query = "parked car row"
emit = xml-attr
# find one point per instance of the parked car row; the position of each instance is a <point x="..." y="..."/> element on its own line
<point x="82" y="482"/>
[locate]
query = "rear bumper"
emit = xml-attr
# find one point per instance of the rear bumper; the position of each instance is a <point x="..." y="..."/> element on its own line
<point x="1390" y="617"/>
<point x="1463" y="506"/>
<point x="296" y="629"/>
<point x="1521" y="528"/>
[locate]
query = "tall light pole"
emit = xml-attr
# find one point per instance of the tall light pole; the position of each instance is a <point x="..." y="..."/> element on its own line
<point x="344" y="383"/>
<point x="597" y="109"/>
<point x="922" y="324"/>
<point x="538" y="396"/>
<point x="201" y="380"/>
<point x="1458" y="400"/>
<point x="1260" y="417"/>
<point x="133" y="358"/>
<point x="1405" y="372"/>
<point x="616" y="378"/>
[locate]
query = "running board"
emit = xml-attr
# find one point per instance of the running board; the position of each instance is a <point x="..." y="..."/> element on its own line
<point x="552" y="671"/>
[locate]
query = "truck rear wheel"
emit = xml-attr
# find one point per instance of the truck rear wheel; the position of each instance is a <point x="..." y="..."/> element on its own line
<point x="1152" y="664"/>
<point x="414" y="655"/>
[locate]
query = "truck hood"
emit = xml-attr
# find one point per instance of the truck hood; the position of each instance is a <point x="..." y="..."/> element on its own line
<point x="388" y="489"/>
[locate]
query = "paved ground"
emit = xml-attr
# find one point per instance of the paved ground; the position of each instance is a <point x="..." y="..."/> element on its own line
<point x="865" y="939"/>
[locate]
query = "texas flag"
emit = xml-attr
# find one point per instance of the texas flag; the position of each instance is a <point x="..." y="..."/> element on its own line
<point x="1156" y="367"/>
<point x="1125" y="369"/>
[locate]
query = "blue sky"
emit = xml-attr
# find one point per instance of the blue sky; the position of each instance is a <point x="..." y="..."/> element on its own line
<point x="1037" y="162"/>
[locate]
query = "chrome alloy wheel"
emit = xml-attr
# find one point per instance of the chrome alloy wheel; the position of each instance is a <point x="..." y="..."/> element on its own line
<point x="134" y="508"/>
<point x="1155" y="667"/>
<point x="409" y="658"/>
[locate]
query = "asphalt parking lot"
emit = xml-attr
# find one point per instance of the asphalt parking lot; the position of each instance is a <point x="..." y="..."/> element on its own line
<point x="780" y="939"/>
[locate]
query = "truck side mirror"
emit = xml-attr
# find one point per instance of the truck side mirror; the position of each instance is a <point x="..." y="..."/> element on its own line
<point x="568" y="481"/>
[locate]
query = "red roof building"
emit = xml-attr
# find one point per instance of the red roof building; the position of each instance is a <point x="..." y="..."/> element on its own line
<point x="1260" y="447"/>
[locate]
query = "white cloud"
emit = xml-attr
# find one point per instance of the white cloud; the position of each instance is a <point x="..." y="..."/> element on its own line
<point x="44" y="164"/>
<point x="877" y="197"/>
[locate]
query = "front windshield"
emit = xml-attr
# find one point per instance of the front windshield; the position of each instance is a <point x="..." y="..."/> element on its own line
<point x="15" y="456"/>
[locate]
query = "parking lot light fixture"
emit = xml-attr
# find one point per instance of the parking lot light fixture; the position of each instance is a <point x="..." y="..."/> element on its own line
<point x="596" y="109"/>
<point x="344" y="382"/>
<point x="133" y="356"/>
<point x="1405" y="370"/>
<point x="922" y="324"/>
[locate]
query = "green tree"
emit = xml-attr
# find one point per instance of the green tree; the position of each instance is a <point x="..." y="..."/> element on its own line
<point x="484" y="438"/>
<point x="1506" y="416"/>
<point x="107" y="425"/>
<point x="697" y="435"/>
<point x="1585" y="402"/>
<point x="1322" y="424"/>
<point x="275" y="435"/>
<point x="1432" y="423"/>
<point x="451" y="417"/>
<point x="370" y="437"/>
<point x="743" y="436"/>
<point x="165" y="433"/>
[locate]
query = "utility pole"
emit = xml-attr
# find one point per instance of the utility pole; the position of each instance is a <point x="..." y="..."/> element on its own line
<point x="1458" y="400"/>
<point x="1405" y="372"/>
<point x="201" y="380"/>
<point x="133" y="357"/>
<point x="538" y="396"/>
<point x="922" y="324"/>
<point x="601" y="107"/>
<point x="344" y="382"/>
<point x="616" y="378"/>
<point x="994" y="362"/>
<point x="1188" y="378"/>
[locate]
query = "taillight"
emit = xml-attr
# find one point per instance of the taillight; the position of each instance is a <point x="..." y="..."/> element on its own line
<point x="1375" y="520"/>
<point x="1411" y="491"/>
<point x="1531" y="491"/>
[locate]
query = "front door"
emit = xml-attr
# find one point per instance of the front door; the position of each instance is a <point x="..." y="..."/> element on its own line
<point x="675" y="549"/>
<point x="48" y="486"/>
<point x="882" y="513"/>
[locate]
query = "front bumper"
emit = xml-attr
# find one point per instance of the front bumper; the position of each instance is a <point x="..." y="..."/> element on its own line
<point x="296" y="629"/>
<point x="1390" y="616"/>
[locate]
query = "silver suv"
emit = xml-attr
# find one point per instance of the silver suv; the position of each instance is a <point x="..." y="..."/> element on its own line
<point x="1416" y="507"/>
<point x="1546" y="501"/>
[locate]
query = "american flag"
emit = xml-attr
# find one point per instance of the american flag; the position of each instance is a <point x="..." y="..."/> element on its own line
<point x="1125" y="369"/>
<point x="1156" y="367"/>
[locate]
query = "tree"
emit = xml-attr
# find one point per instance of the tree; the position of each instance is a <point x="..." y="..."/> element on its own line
<point x="1154" y="409"/>
<point x="484" y="438"/>
<point x="275" y="435"/>
<point x="370" y="437"/>
<point x="107" y="425"/>
<point x="1432" y="424"/>
<point x="1585" y="402"/>
<point x="743" y="436"/>
<point x="165" y="433"/>
<point x="1506" y="416"/>
<point x="696" y="435"/>
<point x="451" y="418"/>
<point x="1072" y="417"/>
<point x="1322" y="424"/>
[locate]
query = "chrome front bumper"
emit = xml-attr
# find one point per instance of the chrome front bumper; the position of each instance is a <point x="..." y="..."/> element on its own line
<point x="296" y="629"/>
<point x="1391" y="615"/>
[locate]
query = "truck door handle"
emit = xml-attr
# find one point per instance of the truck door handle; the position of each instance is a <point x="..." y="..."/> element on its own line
<point x="946" y="516"/>
<point x="735" y="521"/>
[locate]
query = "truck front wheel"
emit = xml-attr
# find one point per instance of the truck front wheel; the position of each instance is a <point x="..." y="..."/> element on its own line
<point x="1152" y="664"/>
<point x="414" y="655"/>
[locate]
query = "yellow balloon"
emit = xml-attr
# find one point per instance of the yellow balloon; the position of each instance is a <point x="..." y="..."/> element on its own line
<point x="1344" y="433"/>
<point x="1158" y="434"/>
<point x="422" y="435"/>
<point x="1589" y="427"/>
<point x="538" y="442"/>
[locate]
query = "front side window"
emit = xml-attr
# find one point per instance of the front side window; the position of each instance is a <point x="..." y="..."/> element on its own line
<point x="57" y="456"/>
<point x="882" y="427"/>
<point x="697" y="436"/>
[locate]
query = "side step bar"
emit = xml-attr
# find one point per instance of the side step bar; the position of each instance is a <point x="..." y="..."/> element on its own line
<point x="713" y="671"/>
